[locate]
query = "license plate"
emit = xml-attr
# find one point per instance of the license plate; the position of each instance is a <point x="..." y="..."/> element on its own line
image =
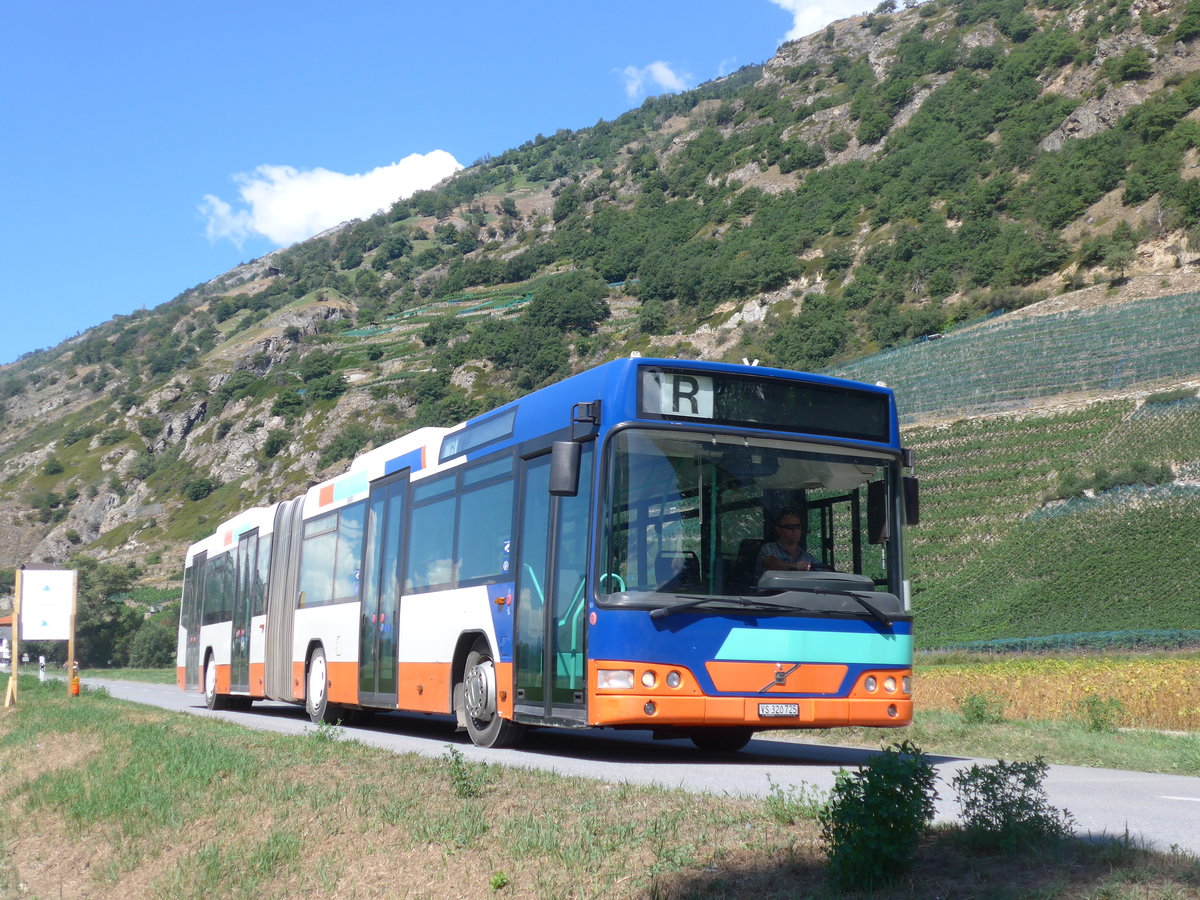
<point x="778" y="710"/>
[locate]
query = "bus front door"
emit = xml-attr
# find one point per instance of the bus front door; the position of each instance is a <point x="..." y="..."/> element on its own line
<point x="381" y="594"/>
<point x="552" y="598"/>
<point x="193" y="604"/>
<point x="239" y="652"/>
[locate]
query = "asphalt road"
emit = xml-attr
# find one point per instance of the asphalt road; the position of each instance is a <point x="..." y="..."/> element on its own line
<point x="1162" y="810"/>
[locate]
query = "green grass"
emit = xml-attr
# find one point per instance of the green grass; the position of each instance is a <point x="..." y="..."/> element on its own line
<point x="128" y="800"/>
<point x="157" y="676"/>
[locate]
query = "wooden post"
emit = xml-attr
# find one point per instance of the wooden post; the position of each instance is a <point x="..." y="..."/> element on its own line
<point x="10" y="695"/>
<point x="71" y="639"/>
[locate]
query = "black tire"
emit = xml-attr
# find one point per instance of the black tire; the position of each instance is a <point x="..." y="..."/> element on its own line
<point x="478" y="692"/>
<point x="316" y="691"/>
<point x="212" y="699"/>
<point x="722" y="740"/>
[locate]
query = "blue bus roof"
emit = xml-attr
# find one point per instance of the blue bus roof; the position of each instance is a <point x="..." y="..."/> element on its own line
<point x="549" y="408"/>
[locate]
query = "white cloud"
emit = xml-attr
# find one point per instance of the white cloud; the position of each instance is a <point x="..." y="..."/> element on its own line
<point x="286" y="205"/>
<point x="813" y="15"/>
<point x="658" y="74"/>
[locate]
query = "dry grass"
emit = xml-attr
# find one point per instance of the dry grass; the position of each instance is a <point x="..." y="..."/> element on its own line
<point x="1160" y="691"/>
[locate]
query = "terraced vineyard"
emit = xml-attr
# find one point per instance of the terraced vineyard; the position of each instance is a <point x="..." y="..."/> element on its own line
<point x="996" y="556"/>
<point x="1008" y="361"/>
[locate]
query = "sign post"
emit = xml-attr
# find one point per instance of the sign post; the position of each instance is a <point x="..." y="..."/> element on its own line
<point x="43" y="610"/>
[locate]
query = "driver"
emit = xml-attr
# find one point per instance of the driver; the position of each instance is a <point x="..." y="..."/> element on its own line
<point x="787" y="551"/>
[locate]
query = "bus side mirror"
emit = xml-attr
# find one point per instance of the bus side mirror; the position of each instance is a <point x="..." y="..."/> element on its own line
<point x="912" y="500"/>
<point x="877" y="514"/>
<point x="564" y="468"/>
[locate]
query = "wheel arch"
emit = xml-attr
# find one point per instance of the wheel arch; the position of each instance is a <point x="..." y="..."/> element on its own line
<point x="458" y="665"/>
<point x="313" y="644"/>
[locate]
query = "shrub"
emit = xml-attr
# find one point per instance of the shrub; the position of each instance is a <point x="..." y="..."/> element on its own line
<point x="277" y="439"/>
<point x="152" y="646"/>
<point x="199" y="488"/>
<point x="287" y="404"/>
<point x="1004" y="805"/>
<point x="980" y="709"/>
<point x="149" y="428"/>
<point x="876" y="816"/>
<point x="1100" y="713"/>
<point x="52" y="466"/>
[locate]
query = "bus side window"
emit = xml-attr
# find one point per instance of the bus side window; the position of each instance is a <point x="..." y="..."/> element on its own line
<point x="317" y="559"/>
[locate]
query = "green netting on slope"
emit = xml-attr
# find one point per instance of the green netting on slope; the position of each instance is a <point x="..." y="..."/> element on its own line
<point x="1114" y="566"/>
<point x="1006" y="362"/>
<point x="992" y="559"/>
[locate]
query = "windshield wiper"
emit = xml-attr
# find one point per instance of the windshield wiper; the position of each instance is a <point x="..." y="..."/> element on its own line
<point x="876" y="613"/>
<point x="874" y="610"/>
<point x="743" y="602"/>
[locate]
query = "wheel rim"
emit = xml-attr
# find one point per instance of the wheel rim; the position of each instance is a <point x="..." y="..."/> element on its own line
<point x="210" y="680"/>
<point x="480" y="691"/>
<point x="316" y="681"/>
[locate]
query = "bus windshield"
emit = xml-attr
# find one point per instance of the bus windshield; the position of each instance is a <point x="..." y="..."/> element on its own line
<point x="693" y="515"/>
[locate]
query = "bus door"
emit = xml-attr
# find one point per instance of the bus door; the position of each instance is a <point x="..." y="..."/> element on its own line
<point x="381" y="593"/>
<point x="193" y="602"/>
<point x="551" y="597"/>
<point x="239" y="654"/>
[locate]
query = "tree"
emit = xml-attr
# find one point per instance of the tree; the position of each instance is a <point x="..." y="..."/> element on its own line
<point x="152" y="646"/>
<point x="103" y="623"/>
<point x="1189" y="25"/>
<point x="1118" y="258"/>
<point x="571" y="301"/>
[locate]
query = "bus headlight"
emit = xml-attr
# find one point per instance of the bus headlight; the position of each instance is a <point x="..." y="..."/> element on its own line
<point x="621" y="679"/>
<point x="906" y="684"/>
<point x="870" y="684"/>
<point x="674" y="679"/>
<point x="649" y="679"/>
<point x="889" y="685"/>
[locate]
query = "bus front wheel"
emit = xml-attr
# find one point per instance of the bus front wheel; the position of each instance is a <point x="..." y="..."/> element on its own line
<point x="478" y="697"/>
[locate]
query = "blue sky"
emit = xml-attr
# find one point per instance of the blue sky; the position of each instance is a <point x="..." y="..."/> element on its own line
<point x="151" y="146"/>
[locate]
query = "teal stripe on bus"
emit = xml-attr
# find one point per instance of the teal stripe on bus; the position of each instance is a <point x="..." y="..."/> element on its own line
<point x="758" y="645"/>
<point x="350" y="485"/>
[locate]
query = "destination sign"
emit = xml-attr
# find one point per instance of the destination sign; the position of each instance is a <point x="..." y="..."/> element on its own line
<point x="771" y="404"/>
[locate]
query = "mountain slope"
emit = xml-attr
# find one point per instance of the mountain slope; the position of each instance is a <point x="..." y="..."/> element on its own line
<point x="889" y="177"/>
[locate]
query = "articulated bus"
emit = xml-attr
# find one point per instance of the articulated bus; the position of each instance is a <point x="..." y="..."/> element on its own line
<point x="588" y="555"/>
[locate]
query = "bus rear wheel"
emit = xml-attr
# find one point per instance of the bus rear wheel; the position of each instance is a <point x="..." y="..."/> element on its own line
<point x="478" y="697"/>
<point x="316" y="694"/>
<point x="722" y="740"/>
<point x="212" y="699"/>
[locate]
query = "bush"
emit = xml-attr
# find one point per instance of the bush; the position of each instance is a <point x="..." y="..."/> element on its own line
<point x="876" y="816"/>
<point x="979" y="709"/>
<point x="288" y="404"/>
<point x="1098" y="713"/>
<point x="277" y="439"/>
<point x="152" y="646"/>
<point x="199" y="488"/>
<point x="149" y="428"/>
<point x="1004" y="805"/>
